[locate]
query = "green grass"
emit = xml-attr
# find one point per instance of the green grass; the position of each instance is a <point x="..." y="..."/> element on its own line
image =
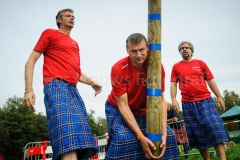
<point x="232" y="154"/>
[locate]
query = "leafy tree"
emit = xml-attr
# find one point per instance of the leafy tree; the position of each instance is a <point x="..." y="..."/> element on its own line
<point x="93" y="124"/>
<point x="41" y="129"/>
<point x="19" y="126"/>
<point x="102" y="123"/>
<point x="231" y="99"/>
<point x="99" y="126"/>
<point x="180" y="115"/>
<point x="4" y="135"/>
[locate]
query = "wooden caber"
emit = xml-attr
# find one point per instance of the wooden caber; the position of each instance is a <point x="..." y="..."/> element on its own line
<point x="154" y="92"/>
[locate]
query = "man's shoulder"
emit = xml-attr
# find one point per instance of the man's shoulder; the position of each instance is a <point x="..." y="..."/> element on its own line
<point x="178" y="63"/>
<point x="50" y="30"/>
<point x="121" y="64"/>
<point x="198" y="61"/>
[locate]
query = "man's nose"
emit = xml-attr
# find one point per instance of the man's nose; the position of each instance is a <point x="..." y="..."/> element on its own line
<point x="139" y="53"/>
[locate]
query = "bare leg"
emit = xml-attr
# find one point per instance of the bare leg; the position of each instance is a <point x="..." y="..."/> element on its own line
<point x="70" y="156"/>
<point x="204" y="153"/>
<point x="220" y="151"/>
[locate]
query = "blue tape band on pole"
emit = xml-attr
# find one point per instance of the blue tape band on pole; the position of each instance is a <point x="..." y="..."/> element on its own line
<point x="155" y="46"/>
<point x="154" y="16"/>
<point x="154" y="92"/>
<point x="154" y="137"/>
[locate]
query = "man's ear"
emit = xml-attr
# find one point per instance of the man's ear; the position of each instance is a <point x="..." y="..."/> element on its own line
<point x="127" y="50"/>
<point x="59" y="20"/>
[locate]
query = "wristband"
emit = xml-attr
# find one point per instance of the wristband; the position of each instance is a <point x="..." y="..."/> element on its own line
<point x="91" y="82"/>
<point x="28" y="91"/>
<point x="140" y="135"/>
<point x="173" y="98"/>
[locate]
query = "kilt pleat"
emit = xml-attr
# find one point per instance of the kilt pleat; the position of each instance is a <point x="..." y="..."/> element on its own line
<point x="203" y="124"/>
<point x="123" y="143"/>
<point x="67" y="120"/>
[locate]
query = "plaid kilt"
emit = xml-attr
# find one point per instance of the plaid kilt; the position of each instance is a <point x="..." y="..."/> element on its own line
<point x="123" y="143"/>
<point x="67" y="120"/>
<point x="181" y="134"/>
<point x="203" y="123"/>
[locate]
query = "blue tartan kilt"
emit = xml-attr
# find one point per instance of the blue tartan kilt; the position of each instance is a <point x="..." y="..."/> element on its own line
<point x="67" y="120"/>
<point x="123" y="143"/>
<point x="203" y="124"/>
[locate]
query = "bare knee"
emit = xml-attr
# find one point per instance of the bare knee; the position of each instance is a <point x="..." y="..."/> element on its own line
<point x="72" y="155"/>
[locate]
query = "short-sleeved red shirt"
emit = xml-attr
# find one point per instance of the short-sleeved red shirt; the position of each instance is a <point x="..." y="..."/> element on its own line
<point x="126" y="78"/>
<point x="192" y="78"/>
<point x="61" y="57"/>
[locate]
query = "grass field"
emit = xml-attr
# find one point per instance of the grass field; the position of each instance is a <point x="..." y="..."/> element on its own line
<point x="232" y="154"/>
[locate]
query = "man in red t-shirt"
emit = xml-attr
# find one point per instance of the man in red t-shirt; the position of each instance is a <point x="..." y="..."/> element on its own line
<point x="203" y="123"/>
<point x="69" y="130"/>
<point x="126" y="107"/>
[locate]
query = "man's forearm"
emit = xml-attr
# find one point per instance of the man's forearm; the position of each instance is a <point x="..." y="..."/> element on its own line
<point x="130" y="119"/>
<point x="127" y="113"/>
<point x="28" y="75"/>
<point x="214" y="88"/>
<point x="164" y="116"/>
<point x="29" y="67"/>
<point x="85" y="79"/>
<point x="173" y="90"/>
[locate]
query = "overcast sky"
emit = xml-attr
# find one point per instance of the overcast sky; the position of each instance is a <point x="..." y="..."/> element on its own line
<point x="101" y="28"/>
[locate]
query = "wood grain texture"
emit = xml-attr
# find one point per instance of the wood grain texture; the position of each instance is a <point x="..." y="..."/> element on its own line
<point x="154" y="107"/>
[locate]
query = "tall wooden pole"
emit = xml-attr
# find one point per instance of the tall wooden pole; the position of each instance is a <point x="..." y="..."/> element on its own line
<point x="154" y="92"/>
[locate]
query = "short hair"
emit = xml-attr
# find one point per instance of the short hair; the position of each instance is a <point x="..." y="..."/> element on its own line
<point x="190" y="44"/>
<point x="135" y="38"/>
<point x="59" y="14"/>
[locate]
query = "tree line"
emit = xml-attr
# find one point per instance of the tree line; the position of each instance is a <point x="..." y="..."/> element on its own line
<point x="19" y="125"/>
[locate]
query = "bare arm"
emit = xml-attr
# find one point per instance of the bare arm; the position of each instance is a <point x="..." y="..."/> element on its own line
<point x="29" y="97"/>
<point x="164" y="126"/>
<point x="214" y="88"/>
<point x="131" y="122"/>
<point x="173" y="92"/>
<point x="87" y="80"/>
<point x="169" y="120"/>
<point x="173" y="119"/>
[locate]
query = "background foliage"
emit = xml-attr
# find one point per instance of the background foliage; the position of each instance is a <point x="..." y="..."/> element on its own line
<point x="19" y="126"/>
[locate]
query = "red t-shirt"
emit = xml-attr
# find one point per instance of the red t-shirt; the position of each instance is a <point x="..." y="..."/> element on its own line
<point x="61" y="57"/>
<point x="192" y="78"/>
<point x="126" y="78"/>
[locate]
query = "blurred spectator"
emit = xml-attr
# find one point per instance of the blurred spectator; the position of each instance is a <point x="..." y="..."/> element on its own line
<point x="178" y="127"/>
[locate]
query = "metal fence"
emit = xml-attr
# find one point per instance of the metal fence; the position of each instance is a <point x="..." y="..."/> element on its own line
<point x="43" y="150"/>
<point x="233" y="130"/>
<point x="181" y="136"/>
<point x="182" y="139"/>
<point x="101" y="142"/>
<point x="37" y="151"/>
